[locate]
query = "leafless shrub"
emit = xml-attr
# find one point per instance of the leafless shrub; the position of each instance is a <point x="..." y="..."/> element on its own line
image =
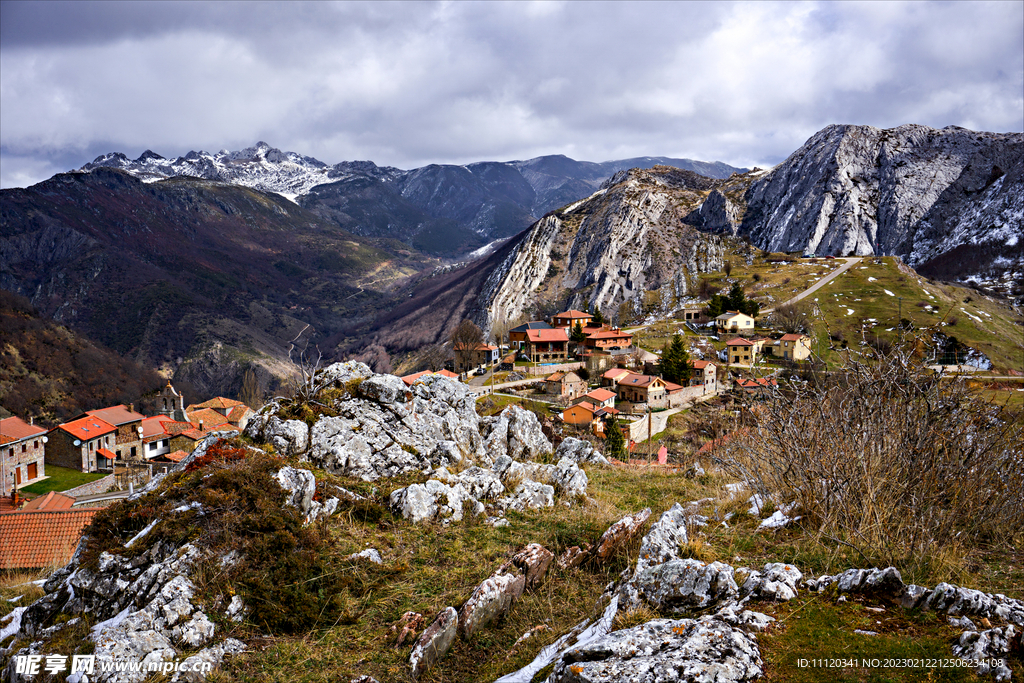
<point x="727" y="268"/>
<point x="904" y="466"/>
<point x="793" y="317"/>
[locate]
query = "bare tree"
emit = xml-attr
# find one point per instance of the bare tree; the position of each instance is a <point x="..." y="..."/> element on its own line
<point x="251" y="393"/>
<point x="792" y="317"/>
<point x="727" y="268"/>
<point x="465" y="339"/>
<point x="435" y="356"/>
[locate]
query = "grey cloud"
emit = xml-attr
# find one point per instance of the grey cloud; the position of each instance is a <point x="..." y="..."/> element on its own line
<point x="407" y="84"/>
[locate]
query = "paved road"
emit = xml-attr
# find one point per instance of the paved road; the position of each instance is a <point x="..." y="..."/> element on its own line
<point x="851" y="261"/>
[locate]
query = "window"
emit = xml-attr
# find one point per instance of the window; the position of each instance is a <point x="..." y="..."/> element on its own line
<point x="153" y="446"/>
<point x="24" y="447"/>
<point x="35" y="444"/>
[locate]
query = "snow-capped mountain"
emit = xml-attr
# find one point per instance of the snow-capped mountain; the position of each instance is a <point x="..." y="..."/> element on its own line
<point x="261" y="167"/>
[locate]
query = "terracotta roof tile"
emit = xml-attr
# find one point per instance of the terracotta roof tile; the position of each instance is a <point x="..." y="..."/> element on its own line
<point x="51" y="501"/>
<point x="116" y="415"/>
<point x="739" y="341"/>
<point x="207" y="416"/>
<point x="635" y="380"/>
<point x="41" y="538"/>
<point x="86" y="428"/>
<point x="154" y="426"/>
<point x="236" y="414"/>
<point x="573" y="314"/>
<point x="176" y="456"/>
<point x="601" y="395"/>
<point x="555" y="335"/>
<point x="792" y="337"/>
<point x="215" y="402"/>
<point x="18" y="429"/>
<point x="701" y="364"/>
<point x="609" y="334"/>
<point x="615" y="372"/>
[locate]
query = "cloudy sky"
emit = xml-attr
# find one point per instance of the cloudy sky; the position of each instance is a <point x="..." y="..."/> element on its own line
<point x="406" y="84"/>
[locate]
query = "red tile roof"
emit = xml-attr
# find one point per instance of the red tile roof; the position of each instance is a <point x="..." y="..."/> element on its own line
<point x="86" y="428"/>
<point x="216" y="402"/>
<point x="609" y="334"/>
<point x="556" y="335"/>
<point x="176" y="456"/>
<point x="51" y="501"/>
<point x="792" y="337"/>
<point x="236" y="414"/>
<point x="601" y="395"/>
<point x="410" y="379"/>
<point x="701" y="364"/>
<point x="16" y="429"/>
<point x="573" y="314"/>
<point x="41" y="538"/>
<point x="615" y="372"/>
<point x="739" y="341"/>
<point x="154" y="426"/>
<point x="756" y="383"/>
<point x="635" y="380"/>
<point x="555" y="377"/>
<point x="208" y="416"/>
<point x="106" y="453"/>
<point x="672" y="386"/>
<point x="116" y="415"/>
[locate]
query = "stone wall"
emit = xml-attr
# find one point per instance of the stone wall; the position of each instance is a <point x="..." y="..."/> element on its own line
<point x="548" y="369"/>
<point x="98" y="486"/>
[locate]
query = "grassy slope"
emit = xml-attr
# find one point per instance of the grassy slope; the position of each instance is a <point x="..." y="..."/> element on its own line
<point x="61" y="479"/>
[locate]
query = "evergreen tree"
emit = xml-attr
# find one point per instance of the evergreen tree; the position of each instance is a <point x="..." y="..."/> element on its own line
<point x="735" y="300"/>
<point x="577" y="336"/>
<point x="675" y="361"/>
<point x="598" y="317"/>
<point x="614" y="441"/>
<point x="716" y="306"/>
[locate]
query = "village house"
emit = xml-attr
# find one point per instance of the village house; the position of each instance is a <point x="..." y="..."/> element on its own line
<point x="743" y="351"/>
<point x="155" y="439"/>
<point x="608" y="339"/>
<point x="734" y="321"/>
<point x="641" y="389"/>
<point x="544" y="346"/>
<point x="704" y="373"/>
<point x="792" y="347"/>
<point x="564" y="385"/>
<point x="586" y="413"/>
<point x="22" y="453"/>
<point x="517" y="335"/>
<point x="611" y="378"/>
<point x="235" y="413"/>
<point x="568" y="319"/>
<point x="128" y="440"/>
<point x="84" y="444"/>
<point x="602" y="398"/>
<point x="482" y="354"/>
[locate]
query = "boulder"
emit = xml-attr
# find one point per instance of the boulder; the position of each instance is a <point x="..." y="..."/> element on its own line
<point x="619" y="534"/>
<point x="383" y="389"/>
<point x="776" y="582"/>
<point x="533" y="561"/>
<point x="434" y="642"/>
<point x="433" y="500"/>
<point x="300" y="485"/>
<point x="288" y="437"/>
<point x="529" y="495"/>
<point x="579" y="451"/>
<point x="663" y="540"/>
<point x="664" y="651"/>
<point x="990" y="648"/>
<point x="686" y="585"/>
<point x="569" y="480"/>
<point x="213" y="656"/>
<point x="491" y="600"/>
<point x="516" y="433"/>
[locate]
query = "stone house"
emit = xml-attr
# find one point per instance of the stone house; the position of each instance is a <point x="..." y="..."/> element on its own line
<point x="128" y="441"/>
<point x="567" y="385"/>
<point x="734" y="321"/>
<point x="22" y="453"/>
<point x="704" y="373"/>
<point x="235" y="413"/>
<point x="611" y="377"/>
<point x="568" y="319"/>
<point x="743" y="351"/>
<point x="756" y="385"/>
<point x="543" y="346"/>
<point x="642" y="389"/>
<point x="84" y="444"/>
<point x="689" y="313"/>
<point x="792" y="347"/>
<point x="156" y="441"/>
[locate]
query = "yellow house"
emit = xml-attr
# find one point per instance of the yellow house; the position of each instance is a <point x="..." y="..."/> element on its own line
<point x="742" y="351"/>
<point x="792" y="347"/>
<point x="734" y="321"/>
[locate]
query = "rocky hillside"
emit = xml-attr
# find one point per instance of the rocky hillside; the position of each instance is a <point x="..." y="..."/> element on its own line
<point x="440" y="209"/>
<point x="627" y="249"/>
<point x="195" y="277"/>
<point x="949" y="201"/>
<point x="374" y="532"/>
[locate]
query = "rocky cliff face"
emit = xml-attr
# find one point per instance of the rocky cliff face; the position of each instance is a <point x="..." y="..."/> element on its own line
<point x="627" y="249"/>
<point x="911" y="191"/>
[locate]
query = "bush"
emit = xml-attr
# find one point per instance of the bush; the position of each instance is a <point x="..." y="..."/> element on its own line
<point x="906" y="468"/>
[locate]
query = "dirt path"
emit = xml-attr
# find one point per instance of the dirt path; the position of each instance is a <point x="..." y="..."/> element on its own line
<point x="851" y="261"/>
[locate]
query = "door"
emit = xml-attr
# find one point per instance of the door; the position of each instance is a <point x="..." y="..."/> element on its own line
<point x="33" y="471"/>
<point x="17" y="476"/>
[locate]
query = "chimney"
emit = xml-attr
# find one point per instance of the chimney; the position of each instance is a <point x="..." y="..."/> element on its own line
<point x="31" y="420"/>
<point x="131" y="407"/>
<point x="200" y="425"/>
